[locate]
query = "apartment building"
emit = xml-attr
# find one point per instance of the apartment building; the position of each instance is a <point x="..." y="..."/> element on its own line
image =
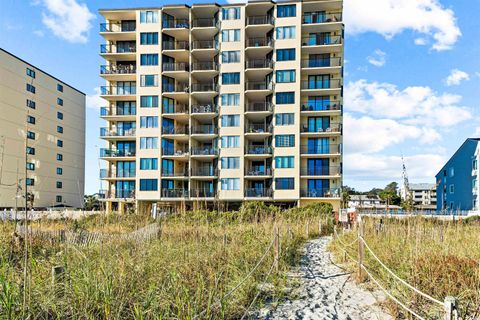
<point x="422" y="195"/>
<point x="228" y="103"/>
<point x="42" y="137"/>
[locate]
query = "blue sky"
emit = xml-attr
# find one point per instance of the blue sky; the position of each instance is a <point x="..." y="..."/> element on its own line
<point x="412" y="76"/>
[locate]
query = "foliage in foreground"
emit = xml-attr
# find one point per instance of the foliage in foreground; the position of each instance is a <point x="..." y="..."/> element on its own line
<point x="198" y="258"/>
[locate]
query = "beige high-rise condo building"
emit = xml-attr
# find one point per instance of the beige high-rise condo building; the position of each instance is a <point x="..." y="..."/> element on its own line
<point x="223" y="104"/>
<point x="42" y="138"/>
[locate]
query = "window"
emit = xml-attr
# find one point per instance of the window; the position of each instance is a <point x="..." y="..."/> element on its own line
<point x="230" y="56"/>
<point x="58" y="199"/>
<point x="59" y="171"/>
<point x="231" y="13"/>
<point x="284" y="119"/>
<point x="30" y="88"/>
<point x="148" y="143"/>
<point x="286" y="11"/>
<point x="231" y="78"/>
<point x="230" y="141"/>
<point x="230" y="162"/>
<point x="31" y="104"/>
<point x="452" y="188"/>
<point x="285" y="140"/>
<point x="59" y="129"/>
<point x="231" y="35"/>
<point x="285" y="76"/>
<point x="31" y="135"/>
<point x="30" y="182"/>
<point x="475" y="164"/>
<point x="148" y="122"/>
<point x="284" y="183"/>
<point x="230" y="120"/>
<point x="230" y="183"/>
<point x="149" y="102"/>
<point x="148" y="16"/>
<point x="230" y="99"/>
<point x="286" y="33"/>
<point x="31" y="151"/>
<point x="59" y="87"/>
<point x="285" y="97"/>
<point x="30" y="73"/>
<point x="149" y="59"/>
<point x="285" y="54"/>
<point x="452" y="172"/>
<point x="60" y="102"/>
<point x="31" y="119"/>
<point x="59" y="115"/>
<point x="149" y="38"/>
<point x="60" y="143"/>
<point x="59" y="157"/>
<point x="30" y="166"/>
<point x="59" y="184"/>
<point x="149" y="80"/>
<point x="148" y="184"/>
<point x="285" y="162"/>
<point x="148" y="164"/>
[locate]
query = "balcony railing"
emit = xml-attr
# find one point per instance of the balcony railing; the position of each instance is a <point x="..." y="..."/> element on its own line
<point x="117" y="27"/>
<point x="321" y="149"/>
<point x="258" y="150"/>
<point x="176" y="87"/>
<point x="205" y="66"/>
<point x="117" y="153"/>
<point x="204" y="23"/>
<point x="177" y="152"/>
<point x="325" y="105"/>
<point x="175" y="66"/>
<point x="202" y="193"/>
<point x="204" y="172"/>
<point x="310" y="17"/>
<point x="258" y="20"/>
<point x="118" y="132"/>
<point x="118" y="91"/>
<point x="113" y="48"/>
<point x="175" y="24"/>
<point x="259" y="107"/>
<point x="175" y="130"/>
<point x="118" y="69"/>
<point x="259" y="64"/>
<point x="118" y="111"/>
<point x="105" y="173"/>
<point x="321" y="84"/>
<point x="321" y="40"/>
<point x="258" y="85"/>
<point x="178" y="174"/>
<point x="205" y="129"/>
<point x="205" y="44"/>
<point x="331" y="128"/>
<point x="320" y="193"/>
<point x="265" y="171"/>
<point x="175" y="45"/>
<point x="204" y="151"/>
<point x="206" y="108"/>
<point x="320" y="171"/>
<point x="126" y="194"/>
<point x="174" y="193"/>
<point x="259" y="42"/>
<point x="258" y="193"/>
<point x="204" y="87"/>
<point x="178" y="108"/>
<point x="321" y="63"/>
<point x="258" y="128"/>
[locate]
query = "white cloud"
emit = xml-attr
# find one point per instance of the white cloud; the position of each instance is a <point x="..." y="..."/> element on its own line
<point x="94" y="101"/>
<point x="414" y="105"/>
<point x="67" y="19"/>
<point x="392" y="17"/>
<point x="420" y="41"/>
<point x="455" y="77"/>
<point x="378" y="58"/>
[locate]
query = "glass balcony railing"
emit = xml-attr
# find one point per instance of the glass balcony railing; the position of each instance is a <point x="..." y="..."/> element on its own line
<point x="171" y="173"/>
<point x="172" y="109"/>
<point x="117" y="132"/>
<point x="204" y="172"/>
<point x="205" y="44"/>
<point x="202" y="193"/>
<point x="117" y="111"/>
<point x="321" y="105"/>
<point x="118" y="69"/>
<point x="178" y="66"/>
<point x="259" y="107"/>
<point x="204" y="23"/>
<point x="175" y="45"/>
<point x="174" y="193"/>
<point x="174" y="130"/>
<point x="118" y="27"/>
<point x="320" y="171"/>
<point x="176" y="152"/>
<point x="258" y="128"/>
<point x="320" y="193"/>
<point x="321" y="63"/>
<point x="126" y="194"/>
<point x="204" y="151"/>
<point x="205" y="108"/>
<point x="179" y="87"/>
<point x="113" y="48"/>
<point x="117" y="153"/>
<point x="258" y="193"/>
<point x="204" y="87"/>
<point x="258" y="171"/>
<point x="321" y="129"/>
<point x="258" y="85"/>
<point x="259" y="150"/>
<point x="205" y="66"/>
<point x="321" y="40"/>
<point x="118" y="90"/>
<point x="321" y="149"/>
<point x="321" y="84"/>
<point x="259" y="20"/>
<point x="259" y="64"/>
<point x="259" y="42"/>
<point x="175" y="24"/>
<point x="314" y="17"/>
<point x="205" y="129"/>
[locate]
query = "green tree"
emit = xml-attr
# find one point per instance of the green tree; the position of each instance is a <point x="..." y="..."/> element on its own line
<point x="91" y="203"/>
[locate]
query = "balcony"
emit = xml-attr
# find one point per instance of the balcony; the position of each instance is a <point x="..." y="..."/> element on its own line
<point x="175" y="67"/>
<point x="260" y="20"/>
<point x="118" y="27"/>
<point x="204" y="172"/>
<point x="258" y="129"/>
<point x="258" y="86"/>
<point x="175" y="45"/>
<point x="205" y="66"/>
<point x="322" y="44"/>
<point x="204" y="129"/>
<point x="322" y="106"/>
<point x="321" y="84"/>
<point x="175" y="152"/>
<point x="259" y="64"/>
<point x="258" y="171"/>
<point x="175" y="24"/>
<point x="205" y="44"/>
<point x="117" y="133"/>
<point x="328" y="149"/>
<point x="108" y="174"/>
<point x="204" y="23"/>
<point x="118" y="92"/>
<point x="322" y="63"/>
<point x="171" y="110"/>
<point x="110" y="153"/>
<point x="176" y="130"/>
<point x="258" y="150"/>
<point x="113" y="48"/>
<point x="205" y="109"/>
<point x="259" y="43"/>
<point x="205" y="90"/>
<point x="314" y="18"/>
<point x="202" y="193"/>
<point x="175" y="174"/>
<point x="321" y="171"/>
<point x="331" y="129"/>
<point x="124" y="194"/>
<point x="118" y="112"/>
<point x="179" y="87"/>
<point x="123" y="70"/>
<point x="204" y="151"/>
<point x="320" y="193"/>
<point x="259" y="107"/>
<point x="258" y="193"/>
<point x="174" y="193"/>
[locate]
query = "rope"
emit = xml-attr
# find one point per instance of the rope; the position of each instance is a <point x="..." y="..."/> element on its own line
<point x="343" y="243"/>
<point x="258" y="292"/>
<point x="398" y="278"/>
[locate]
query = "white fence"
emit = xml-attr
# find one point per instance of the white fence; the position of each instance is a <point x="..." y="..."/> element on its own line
<point x="11" y="215"/>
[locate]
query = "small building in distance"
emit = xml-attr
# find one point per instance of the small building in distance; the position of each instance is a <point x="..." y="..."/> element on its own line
<point x="457" y="181"/>
<point x="424" y="195"/>
<point x="365" y="201"/>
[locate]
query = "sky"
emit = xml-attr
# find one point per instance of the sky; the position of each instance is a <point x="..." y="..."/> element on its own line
<point x="412" y="77"/>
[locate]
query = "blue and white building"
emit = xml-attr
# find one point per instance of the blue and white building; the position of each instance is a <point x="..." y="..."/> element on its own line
<point x="457" y="181"/>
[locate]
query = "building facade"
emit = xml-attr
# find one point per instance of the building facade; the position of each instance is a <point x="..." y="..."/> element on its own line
<point x="44" y="118"/>
<point x="457" y="181"/>
<point x="423" y="195"/>
<point x="223" y="103"/>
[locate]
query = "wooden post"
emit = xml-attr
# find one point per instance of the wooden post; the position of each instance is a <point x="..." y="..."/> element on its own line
<point x="450" y="308"/>
<point x="307" y="229"/>
<point x="57" y="277"/>
<point x="361" y="250"/>
<point x="276" y="248"/>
